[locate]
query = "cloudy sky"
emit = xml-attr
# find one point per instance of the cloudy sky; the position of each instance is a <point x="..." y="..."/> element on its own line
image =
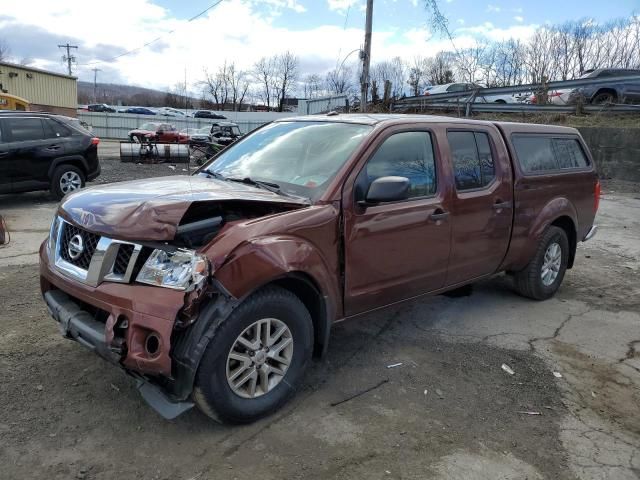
<point x="320" y="32"/>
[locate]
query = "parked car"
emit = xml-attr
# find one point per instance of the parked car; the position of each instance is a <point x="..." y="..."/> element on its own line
<point x="619" y="92"/>
<point x="209" y="114"/>
<point x="171" y="112"/>
<point x="138" y="111"/>
<point x="199" y="136"/>
<point x="157" y="132"/>
<point x="218" y="288"/>
<point x="41" y="151"/>
<point x="100" y="107"/>
<point x="225" y="133"/>
<point x="464" y="87"/>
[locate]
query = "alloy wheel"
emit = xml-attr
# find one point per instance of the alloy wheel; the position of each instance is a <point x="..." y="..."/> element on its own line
<point x="70" y="181"/>
<point x="259" y="358"/>
<point x="551" y="264"/>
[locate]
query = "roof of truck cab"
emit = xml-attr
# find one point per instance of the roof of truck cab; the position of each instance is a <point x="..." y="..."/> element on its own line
<point x="379" y="118"/>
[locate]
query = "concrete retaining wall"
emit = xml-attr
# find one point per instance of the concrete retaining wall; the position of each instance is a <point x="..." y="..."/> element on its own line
<point x="616" y="151"/>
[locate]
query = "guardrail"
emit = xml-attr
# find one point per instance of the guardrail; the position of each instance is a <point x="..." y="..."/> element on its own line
<point x="469" y="99"/>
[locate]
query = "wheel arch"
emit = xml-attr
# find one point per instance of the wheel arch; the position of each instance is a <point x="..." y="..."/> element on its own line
<point x="567" y="224"/>
<point x="610" y="90"/>
<point x="75" y="160"/>
<point x="306" y="289"/>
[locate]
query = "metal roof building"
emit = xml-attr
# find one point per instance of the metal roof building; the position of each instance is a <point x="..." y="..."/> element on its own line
<point x="45" y="91"/>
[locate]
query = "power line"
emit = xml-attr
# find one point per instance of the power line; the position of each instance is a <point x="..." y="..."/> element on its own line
<point x="137" y="49"/>
<point x="68" y="57"/>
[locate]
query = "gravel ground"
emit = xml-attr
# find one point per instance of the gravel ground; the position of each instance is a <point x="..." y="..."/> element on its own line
<point x="447" y="412"/>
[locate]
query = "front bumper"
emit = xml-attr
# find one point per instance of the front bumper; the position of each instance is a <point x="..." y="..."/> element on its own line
<point x="114" y="320"/>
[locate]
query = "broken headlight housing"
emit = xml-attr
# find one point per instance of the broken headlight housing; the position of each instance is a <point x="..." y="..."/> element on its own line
<point x="180" y="269"/>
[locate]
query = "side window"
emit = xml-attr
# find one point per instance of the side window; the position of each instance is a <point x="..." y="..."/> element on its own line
<point x="407" y="154"/>
<point x="534" y="153"/>
<point x="569" y="153"/>
<point x="538" y="153"/>
<point x="25" y="129"/>
<point x="53" y="129"/>
<point x="473" y="165"/>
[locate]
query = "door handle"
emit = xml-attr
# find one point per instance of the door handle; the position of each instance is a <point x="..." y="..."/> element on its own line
<point x="499" y="205"/>
<point x="438" y="214"/>
<point x="53" y="147"/>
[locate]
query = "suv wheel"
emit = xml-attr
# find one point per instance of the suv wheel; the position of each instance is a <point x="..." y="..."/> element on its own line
<point x="542" y="277"/>
<point x="66" y="179"/>
<point x="256" y="360"/>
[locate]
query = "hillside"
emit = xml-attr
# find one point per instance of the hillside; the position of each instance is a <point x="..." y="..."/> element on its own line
<point x="116" y="94"/>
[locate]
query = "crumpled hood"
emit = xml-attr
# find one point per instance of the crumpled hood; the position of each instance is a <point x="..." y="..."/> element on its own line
<point x="151" y="209"/>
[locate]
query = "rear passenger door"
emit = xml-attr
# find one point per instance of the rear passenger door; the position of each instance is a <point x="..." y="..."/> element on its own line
<point x="482" y="203"/>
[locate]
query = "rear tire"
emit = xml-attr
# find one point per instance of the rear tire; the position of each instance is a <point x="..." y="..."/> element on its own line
<point x="543" y="275"/>
<point x="66" y="179"/>
<point x="604" y="98"/>
<point x="219" y="388"/>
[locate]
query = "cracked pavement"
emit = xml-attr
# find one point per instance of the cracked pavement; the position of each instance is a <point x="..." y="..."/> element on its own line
<point x="448" y="411"/>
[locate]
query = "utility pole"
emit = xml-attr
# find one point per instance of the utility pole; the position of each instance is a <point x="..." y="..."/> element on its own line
<point x="95" y="84"/>
<point x="366" y="57"/>
<point x="68" y="57"/>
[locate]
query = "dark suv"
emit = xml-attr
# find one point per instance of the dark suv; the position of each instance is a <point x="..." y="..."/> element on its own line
<point x="41" y="151"/>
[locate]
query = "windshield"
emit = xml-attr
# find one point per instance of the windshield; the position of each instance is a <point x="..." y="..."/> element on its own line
<point x="149" y="126"/>
<point x="301" y="157"/>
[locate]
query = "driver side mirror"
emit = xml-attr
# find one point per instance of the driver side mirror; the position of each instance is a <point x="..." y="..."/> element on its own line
<point x="387" y="189"/>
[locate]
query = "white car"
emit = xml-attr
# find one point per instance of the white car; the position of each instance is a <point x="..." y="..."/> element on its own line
<point x="463" y="87"/>
<point x="171" y="112"/>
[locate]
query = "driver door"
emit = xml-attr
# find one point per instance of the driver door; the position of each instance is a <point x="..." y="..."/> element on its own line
<point x="396" y="250"/>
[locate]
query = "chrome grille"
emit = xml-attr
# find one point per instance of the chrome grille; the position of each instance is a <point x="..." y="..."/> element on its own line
<point x="90" y="242"/>
<point x="122" y="259"/>
<point x="99" y="259"/>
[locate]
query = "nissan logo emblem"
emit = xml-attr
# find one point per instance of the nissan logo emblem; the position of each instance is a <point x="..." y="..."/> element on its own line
<point x="75" y="247"/>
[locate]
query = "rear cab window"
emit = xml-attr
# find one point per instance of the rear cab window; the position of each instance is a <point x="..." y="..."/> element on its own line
<point x="538" y="153"/>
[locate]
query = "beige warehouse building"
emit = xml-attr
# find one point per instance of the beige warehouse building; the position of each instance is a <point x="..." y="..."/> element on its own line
<point x="45" y="91"/>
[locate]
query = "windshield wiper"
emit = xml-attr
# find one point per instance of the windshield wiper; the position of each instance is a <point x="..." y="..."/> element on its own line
<point x="272" y="187"/>
<point x="213" y="174"/>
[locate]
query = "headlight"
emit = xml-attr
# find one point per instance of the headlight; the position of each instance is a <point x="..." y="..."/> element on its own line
<point x="180" y="270"/>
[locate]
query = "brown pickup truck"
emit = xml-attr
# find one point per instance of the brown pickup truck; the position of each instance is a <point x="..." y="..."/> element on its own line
<point x="218" y="288"/>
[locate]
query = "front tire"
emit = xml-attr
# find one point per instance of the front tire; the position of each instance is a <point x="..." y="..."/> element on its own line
<point x="66" y="179"/>
<point x="543" y="275"/>
<point x="256" y="360"/>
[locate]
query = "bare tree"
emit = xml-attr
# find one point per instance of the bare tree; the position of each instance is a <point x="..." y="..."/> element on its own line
<point x="340" y="80"/>
<point x="312" y="85"/>
<point x="217" y="85"/>
<point x="238" y="85"/>
<point x="286" y="76"/>
<point x="418" y="75"/>
<point x="264" y="74"/>
<point x="440" y="69"/>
